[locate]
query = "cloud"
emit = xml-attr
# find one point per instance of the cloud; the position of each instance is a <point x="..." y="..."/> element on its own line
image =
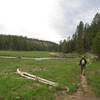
<point x="3" y="29"/>
<point x="45" y="19"/>
<point x="73" y="11"/>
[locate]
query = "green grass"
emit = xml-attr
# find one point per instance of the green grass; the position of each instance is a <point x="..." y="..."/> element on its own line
<point x="63" y="71"/>
<point x="25" y="53"/>
<point x="93" y="73"/>
<point x="14" y="87"/>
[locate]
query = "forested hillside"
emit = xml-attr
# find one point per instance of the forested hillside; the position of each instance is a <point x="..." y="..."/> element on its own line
<point x="85" y="39"/>
<point x="10" y="42"/>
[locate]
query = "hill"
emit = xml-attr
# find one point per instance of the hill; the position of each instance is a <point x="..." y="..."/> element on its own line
<point x="11" y="42"/>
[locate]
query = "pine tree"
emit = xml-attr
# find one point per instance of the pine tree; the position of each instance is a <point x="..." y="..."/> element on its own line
<point x="80" y="37"/>
<point x="96" y="44"/>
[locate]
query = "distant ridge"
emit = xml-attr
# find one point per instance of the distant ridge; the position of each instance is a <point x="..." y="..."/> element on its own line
<point x="14" y="42"/>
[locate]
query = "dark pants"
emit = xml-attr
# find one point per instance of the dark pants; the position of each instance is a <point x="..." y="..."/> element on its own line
<point x="82" y="69"/>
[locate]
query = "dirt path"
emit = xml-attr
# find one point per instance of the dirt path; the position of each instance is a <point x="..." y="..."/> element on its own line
<point x="83" y="92"/>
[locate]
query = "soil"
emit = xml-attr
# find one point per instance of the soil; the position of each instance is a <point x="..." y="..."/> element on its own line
<point x="83" y="92"/>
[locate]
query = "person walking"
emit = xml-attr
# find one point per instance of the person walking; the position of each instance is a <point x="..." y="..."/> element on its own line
<point x="83" y="63"/>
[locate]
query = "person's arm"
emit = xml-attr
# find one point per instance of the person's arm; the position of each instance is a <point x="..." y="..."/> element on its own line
<point x="85" y="61"/>
<point x="80" y="62"/>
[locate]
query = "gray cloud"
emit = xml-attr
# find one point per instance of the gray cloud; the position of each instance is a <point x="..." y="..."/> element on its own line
<point x="72" y="12"/>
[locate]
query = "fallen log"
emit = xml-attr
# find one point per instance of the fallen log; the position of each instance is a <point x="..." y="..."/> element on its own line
<point x="34" y="77"/>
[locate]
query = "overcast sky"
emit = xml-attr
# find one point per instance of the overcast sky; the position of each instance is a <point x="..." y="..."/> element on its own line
<point x="51" y="20"/>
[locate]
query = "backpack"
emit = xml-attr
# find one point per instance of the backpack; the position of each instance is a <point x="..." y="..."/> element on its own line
<point x="82" y="61"/>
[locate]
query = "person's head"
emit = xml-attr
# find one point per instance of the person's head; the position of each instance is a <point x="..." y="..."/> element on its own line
<point x="83" y="56"/>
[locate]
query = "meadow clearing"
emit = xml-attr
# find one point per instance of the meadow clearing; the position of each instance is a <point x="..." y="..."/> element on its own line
<point x="65" y="71"/>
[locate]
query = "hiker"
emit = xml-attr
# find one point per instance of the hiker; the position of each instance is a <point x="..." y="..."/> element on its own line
<point x="83" y="63"/>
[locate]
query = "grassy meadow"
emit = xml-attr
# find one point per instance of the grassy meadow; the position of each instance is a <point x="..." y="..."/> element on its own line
<point x="93" y="77"/>
<point x="33" y="54"/>
<point x="66" y="72"/>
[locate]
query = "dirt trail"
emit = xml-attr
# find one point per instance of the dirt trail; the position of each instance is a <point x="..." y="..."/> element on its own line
<point x="83" y="92"/>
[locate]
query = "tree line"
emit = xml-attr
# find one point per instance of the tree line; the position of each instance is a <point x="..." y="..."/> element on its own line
<point x="85" y="39"/>
<point x="11" y="42"/>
